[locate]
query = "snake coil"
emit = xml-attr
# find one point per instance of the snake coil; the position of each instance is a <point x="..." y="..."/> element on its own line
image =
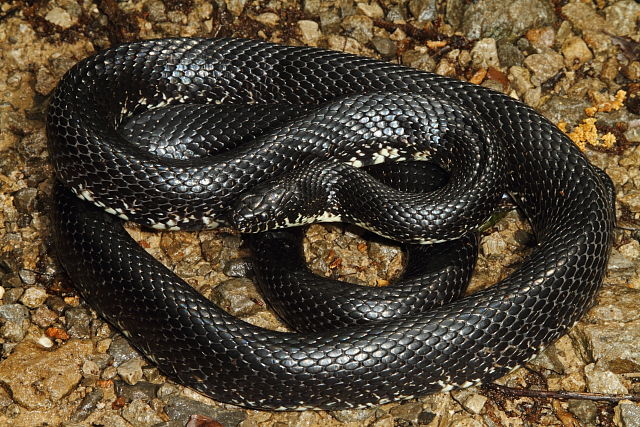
<point x="224" y="93"/>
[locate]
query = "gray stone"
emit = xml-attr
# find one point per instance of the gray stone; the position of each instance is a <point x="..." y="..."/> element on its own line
<point x="139" y="413"/>
<point x="269" y="19"/>
<point x="13" y="313"/>
<point x="454" y="13"/>
<point x="633" y="134"/>
<point x="14" y="331"/>
<point x="235" y="6"/>
<point x="575" y="52"/>
<point x="28" y="277"/>
<point x="142" y="390"/>
<point x="615" y="347"/>
<point x="560" y="108"/>
<point x="584" y="87"/>
<point x="372" y="10"/>
<point x="505" y="18"/>
<point x="485" y="54"/>
<point x="121" y="350"/>
<point x="385" y="47"/>
<point x="544" y="65"/>
<point x="131" y="370"/>
<point x="90" y="369"/>
<point x="238" y="297"/>
<point x="509" y="55"/>
<point x="25" y="199"/>
<point x="181" y="408"/>
<point x="88" y="404"/>
<point x="238" y="267"/>
<point x="12" y="295"/>
<point x="420" y="59"/>
<point x="617" y="261"/>
<point x="60" y="17"/>
<point x="584" y="17"/>
<point x="585" y="410"/>
<point x="407" y="411"/>
<point x="14" y="319"/>
<point x="312" y="7"/>
<point x="359" y="27"/>
<point x="622" y="17"/>
<point x="309" y="31"/>
<point x="33" y="297"/>
<point x="155" y="10"/>
<point x="353" y="415"/>
<point x="396" y="13"/>
<point x="78" y="322"/>
<point x="166" y="390"/>
<point x="470" y="400"/>
<point x="628" y="414"/>
<point x="423" y="10"/>
<point x="607" y="382"/>
<point x="330" y="21"/>
<point x="520" y="79"/>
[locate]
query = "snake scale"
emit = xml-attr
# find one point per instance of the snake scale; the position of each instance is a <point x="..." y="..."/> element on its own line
<point x="341" y="113"/>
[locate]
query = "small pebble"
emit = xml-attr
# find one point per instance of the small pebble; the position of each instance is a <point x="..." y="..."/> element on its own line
<point x="90" y="369"/>
<point x="139" y="413"/>
<point x="131" y="371"/>
<point x="385" y="47"/>
<point x="28" y="277"/>
<point x="34" y="297"/>
<point x="60" y="17"/>
<point x="575" y="52"/>
<point x="269" y="19"/>
<point x="309" y="31"/>
<point x="372" y="10"/>
<point x="45" y="342"/>
<point x="606" y="382"/>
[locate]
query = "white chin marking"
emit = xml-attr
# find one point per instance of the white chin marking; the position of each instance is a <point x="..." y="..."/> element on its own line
<point x="323" y="217"/>
<point x="421" y="155"/>
<point x="209" y="222"/>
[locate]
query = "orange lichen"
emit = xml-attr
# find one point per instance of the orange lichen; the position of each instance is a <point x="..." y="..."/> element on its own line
<point x="563" y="126"/>
<point x="607" y="106"/>
<point x="587" y="133"/>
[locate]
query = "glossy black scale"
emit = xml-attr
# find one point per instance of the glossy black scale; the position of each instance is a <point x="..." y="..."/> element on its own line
<point x="477" y="338"/>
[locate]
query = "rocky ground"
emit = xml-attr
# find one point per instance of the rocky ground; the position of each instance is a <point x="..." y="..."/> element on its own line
<point x="576" y="62"/>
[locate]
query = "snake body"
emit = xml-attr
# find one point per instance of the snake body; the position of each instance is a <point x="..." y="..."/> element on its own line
<point x="480" y="337"/>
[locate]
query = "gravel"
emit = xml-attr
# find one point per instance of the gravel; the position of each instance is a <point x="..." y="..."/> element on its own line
<point x="63" y="365"/>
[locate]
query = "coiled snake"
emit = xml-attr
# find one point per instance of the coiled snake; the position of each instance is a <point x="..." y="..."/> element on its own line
<point x="339" y="112"/>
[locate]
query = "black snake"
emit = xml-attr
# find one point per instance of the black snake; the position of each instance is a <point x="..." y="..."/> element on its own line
<point x="340" y="112"/>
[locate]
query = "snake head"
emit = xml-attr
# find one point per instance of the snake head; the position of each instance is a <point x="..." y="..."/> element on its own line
<point x="285" y="202"/>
